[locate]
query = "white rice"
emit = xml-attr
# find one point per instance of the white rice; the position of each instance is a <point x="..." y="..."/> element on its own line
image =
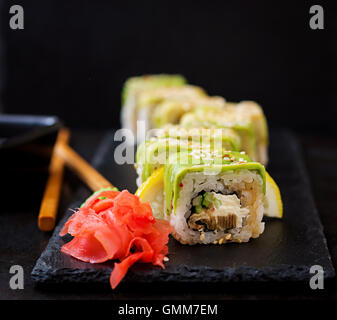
<point x="139" y="170"/>
<point x="144" y="115"/>
<point x="129" y="113"/>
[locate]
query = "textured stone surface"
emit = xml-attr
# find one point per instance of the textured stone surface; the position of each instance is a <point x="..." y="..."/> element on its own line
<point x="284" y="253"/>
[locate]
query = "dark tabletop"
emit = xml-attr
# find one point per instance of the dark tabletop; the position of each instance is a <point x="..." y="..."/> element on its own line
<point x="22" y="242"/>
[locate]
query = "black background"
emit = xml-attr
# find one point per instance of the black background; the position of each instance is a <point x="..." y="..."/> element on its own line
<point x="73" y="55"/>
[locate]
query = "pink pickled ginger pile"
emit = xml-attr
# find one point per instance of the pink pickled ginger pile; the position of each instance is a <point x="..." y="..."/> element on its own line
<point x="116" y="225"/>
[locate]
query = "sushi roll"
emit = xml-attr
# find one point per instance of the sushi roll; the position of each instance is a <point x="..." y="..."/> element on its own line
<point x="171" y="110"/>
<point x="134" y="86"/>
<point x="205" y="118"/>
<point x="217" y="200"/>
<point x="154" y="152"/>
<point x="245" y="118"/>
<point x="149" y="100"/>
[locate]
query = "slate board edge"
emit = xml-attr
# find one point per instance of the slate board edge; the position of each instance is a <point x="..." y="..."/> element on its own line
<point x="181" y="274"/>
<point x="330" y="273"/>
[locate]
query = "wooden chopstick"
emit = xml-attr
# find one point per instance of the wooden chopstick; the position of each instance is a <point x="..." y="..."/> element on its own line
<point x="93" y="179"/>
<point x="64" y="154"/>
<point x="50" y="200"/>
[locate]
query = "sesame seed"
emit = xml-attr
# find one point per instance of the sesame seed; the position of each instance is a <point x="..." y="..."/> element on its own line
<point x="221" y="240"/>
<point x="166" y="259"/>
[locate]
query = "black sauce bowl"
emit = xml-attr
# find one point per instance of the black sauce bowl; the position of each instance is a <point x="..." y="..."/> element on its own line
<point x="26" y="144"/>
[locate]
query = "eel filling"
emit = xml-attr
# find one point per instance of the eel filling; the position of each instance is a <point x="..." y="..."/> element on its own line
<point x="213" y="211"/>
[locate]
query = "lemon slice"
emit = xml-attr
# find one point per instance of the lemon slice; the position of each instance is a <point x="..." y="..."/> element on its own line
<point x="152" y="190"/>
<point x="273" y="203"/>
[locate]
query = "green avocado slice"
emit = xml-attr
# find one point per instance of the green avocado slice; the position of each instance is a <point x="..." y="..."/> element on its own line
<point x="154" y="152"/>
<point x="144" y="82"/>
<point x="174" y="172"/>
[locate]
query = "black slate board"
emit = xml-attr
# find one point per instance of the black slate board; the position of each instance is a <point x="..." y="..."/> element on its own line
<point x="283" y="253"/>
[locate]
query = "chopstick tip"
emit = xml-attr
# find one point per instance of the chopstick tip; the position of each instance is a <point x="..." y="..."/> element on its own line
<point x="46" y="223"/>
